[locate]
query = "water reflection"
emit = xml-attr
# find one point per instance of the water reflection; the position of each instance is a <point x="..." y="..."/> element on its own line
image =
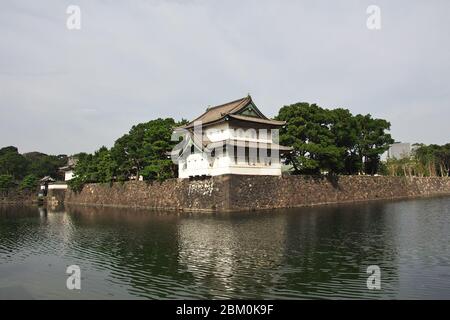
<point x="232" y="256"/>
<point x="318" y="252"/>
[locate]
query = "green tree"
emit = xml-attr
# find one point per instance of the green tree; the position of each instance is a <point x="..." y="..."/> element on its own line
<point x="30" y="182"/>
<point x="104" y="166"/>
<point x="91" y="168"/>
<point x="308" y="132"/>
<point x="12" y="163"/>
<point x="143" y="151"/>
<point x="42" y="165"/>
<point x="434" y="159"/>
<point x="6" y="183"/>
<point x="425" y="160"/>
<point x="345" y="132"/>
<point x="372" y="141"/>
<point x="36" y="163"/>
<point x="159" y="169"/>
<point x="332" y="141"/>
<point x="443" y="159"/>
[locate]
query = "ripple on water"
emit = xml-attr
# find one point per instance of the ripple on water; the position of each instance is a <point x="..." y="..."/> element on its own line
<point x="295" y="254"/>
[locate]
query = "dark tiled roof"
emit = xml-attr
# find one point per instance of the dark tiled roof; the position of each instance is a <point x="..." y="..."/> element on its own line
<point x="47" y="179"/>
<point x="257" y="120"/>
<point x="218" y="113"/>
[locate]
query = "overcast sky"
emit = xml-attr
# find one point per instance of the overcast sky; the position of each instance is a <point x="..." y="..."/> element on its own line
<point x="66" y="91"/>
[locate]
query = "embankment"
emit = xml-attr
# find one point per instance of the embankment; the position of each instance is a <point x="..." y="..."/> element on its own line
<point x="16" y="196"/>
<point x="234" y="192"/>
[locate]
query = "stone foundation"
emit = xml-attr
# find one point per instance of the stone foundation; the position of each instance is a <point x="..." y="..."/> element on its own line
<point x="17" y="197"/>
<point x="56" y="197"/>
<point x="235" y="193"/>
<point x="173" y="194"/>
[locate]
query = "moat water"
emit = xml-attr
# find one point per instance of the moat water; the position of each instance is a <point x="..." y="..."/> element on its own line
<point x="304" y="253"/>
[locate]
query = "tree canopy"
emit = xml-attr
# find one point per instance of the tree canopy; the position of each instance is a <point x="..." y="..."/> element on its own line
<point x="34" y="163"/>
<point x="13" y="163"/>
<point x="6" y="183"/>
<point x="143" y="151"/>
<point x="332" y="141"/>
<point x="425" y="160"/>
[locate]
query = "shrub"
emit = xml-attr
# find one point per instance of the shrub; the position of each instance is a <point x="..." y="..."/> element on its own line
<point x="6" y="182"/>
<point x="30" y="182"/>
<point x="76" y="184"/>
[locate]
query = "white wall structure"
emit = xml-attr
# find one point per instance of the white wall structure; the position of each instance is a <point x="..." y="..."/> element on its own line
<point x="68" y="175"/>
<point x="399" y="150"/>
<point x="233" y="138"/>
<point x="57" y="186"/>
<point x="68" y="169"/>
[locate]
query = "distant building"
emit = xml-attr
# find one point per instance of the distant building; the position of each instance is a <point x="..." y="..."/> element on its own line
<point x="44" y="185"/>
<point x="232" y="138"/>
<point x="399" y="150"/>
<point x="68" y="169"/>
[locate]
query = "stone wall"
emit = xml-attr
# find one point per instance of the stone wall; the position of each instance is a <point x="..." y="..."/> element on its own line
<point x="295" y="191"/>
<point x="16" y="196"/>
<point x="233" y="192"/>
<point x="56" y="197"/>
<point x="173" y="194"/>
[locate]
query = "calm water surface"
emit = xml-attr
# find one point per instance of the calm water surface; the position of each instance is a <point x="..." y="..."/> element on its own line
<point x="319" y="252"/>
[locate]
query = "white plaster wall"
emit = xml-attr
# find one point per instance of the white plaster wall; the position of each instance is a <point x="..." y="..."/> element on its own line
<point x="57" y="186"/>
<point x="221" y="161"/>
<point x="257" y="135"/>
<point x="223" y="131"/>
<point x="217" y="132"/>
<point x="246" y="170"/>
<point x="197" y="165"/>
<point x="68" y="175"/>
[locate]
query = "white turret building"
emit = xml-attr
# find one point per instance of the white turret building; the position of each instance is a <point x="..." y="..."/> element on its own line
<point x="69" y="169"/>
<point x="232" y="138"/>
